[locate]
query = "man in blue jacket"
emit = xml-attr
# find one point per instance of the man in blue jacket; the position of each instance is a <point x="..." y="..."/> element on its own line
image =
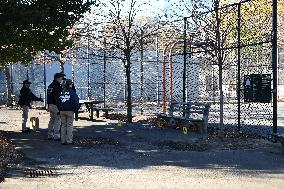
<point x="53" y="92"/>
<point x="68" y="104"/>
<point x="26" y="97"/>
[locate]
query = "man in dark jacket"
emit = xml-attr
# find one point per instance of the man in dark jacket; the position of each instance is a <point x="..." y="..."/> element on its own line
<point x="26" y="97"/>
<point x="53" y="92"/>
<point x="68" y="104"/>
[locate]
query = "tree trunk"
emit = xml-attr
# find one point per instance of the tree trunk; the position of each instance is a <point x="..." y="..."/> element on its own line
<point x="142" y="75"/>
<point x="220" y="64"/>
<point x="61" y="66"/>
<point x="31" y="76"/>
<point x="221" y="99"/>
<point x="8" y="85"/>
<point x="129" y="95"/>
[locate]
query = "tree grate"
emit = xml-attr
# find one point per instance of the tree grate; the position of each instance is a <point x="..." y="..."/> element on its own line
<point x="41" y="173"/>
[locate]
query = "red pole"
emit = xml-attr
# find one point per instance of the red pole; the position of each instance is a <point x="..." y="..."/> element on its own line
<point x="171" y="73"/>
<point x="164" y="105"/>
<point x="171" y="69"/>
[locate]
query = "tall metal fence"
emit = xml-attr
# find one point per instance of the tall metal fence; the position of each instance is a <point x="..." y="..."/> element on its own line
<point x="102" y="77"/>
<point x="35" y="72"/>
<point x="248" y="47"/>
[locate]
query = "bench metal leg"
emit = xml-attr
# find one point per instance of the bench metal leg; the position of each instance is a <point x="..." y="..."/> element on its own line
<point x="91" y="113"/>
<point x="76" y="116"/>
<point x="98" y="113"/>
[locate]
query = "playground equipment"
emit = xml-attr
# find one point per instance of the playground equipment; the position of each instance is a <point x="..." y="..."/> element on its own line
<point x="172" y="46"/>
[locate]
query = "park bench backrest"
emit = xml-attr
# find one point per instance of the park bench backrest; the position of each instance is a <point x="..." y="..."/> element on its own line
<point x="188" y="108"/>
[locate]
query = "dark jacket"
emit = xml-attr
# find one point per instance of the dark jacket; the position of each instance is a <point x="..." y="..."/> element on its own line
<point x="26" y="97"/>
<point x="53" y="92"/>
<point x="68" y="101"/>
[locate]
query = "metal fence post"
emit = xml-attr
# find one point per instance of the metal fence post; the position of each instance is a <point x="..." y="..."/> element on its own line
<point x="274" y="63"/>
<point x="142" y="74"/>
<point x="239" y="66"/>
<point x="105" y="72"/>
<point x="12" y="79"/>
<point x="158" y="71"/>
<point x="184" y="61"/>
<point x="44" y="80"/>
<point x="88" y="63"/>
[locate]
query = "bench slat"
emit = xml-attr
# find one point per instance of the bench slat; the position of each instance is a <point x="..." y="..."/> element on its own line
<point x="103" y="109"/>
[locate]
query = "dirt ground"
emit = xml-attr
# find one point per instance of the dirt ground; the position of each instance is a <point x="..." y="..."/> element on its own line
<point x="106" y="155"/>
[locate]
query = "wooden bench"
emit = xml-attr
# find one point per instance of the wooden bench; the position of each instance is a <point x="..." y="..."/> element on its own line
<point x="77" y="114"/>
<point x="180" y="113"/>
<point x="105" y="110"/>
<point x="90" y="105"/>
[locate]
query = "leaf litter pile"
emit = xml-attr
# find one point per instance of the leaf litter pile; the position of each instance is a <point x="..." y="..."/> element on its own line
<point x="8" y="154"/>
<point x="118" y="116"/>
<point x="231" y="140"/>
<point x="136" y="118"/>
<point x="94" y="141"/>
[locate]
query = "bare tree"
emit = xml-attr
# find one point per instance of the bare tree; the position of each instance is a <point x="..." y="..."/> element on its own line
<point x="127" y="28"/>
<point x="214" y="28"/>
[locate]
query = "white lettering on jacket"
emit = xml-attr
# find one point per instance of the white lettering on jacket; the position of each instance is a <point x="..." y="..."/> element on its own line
<point x="65" y="97"/>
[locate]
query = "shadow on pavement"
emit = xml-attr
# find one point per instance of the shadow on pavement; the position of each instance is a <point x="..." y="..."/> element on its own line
<point x="136" y="147"/>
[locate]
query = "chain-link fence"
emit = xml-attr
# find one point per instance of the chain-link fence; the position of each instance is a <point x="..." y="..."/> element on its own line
<point x="243" y="42"/>
<point x="246" y="49"/>
<point x="102" y="77"/>
<point x="3" y="91"/>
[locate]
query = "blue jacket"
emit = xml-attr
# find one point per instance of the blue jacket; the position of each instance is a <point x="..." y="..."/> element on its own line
<point x="68" y="100"/>
<point x="26" y="97"/>
<point x="53" y="92"/>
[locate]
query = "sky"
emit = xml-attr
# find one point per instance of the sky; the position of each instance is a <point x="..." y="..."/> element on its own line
<point x="152" y="7"/>
<point x="160" y="3"/>
<point x="169" y="5"/>
<point x="171" y="9"/>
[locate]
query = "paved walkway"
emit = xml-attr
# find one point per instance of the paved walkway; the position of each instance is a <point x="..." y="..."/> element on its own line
<point x="108" y="156"/>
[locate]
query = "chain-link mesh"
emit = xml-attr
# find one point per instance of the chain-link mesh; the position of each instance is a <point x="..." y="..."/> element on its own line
<point x="3" y="91"/>
<point x="107" y="80"/>
<point x="255" y="28"/>
<point x="100" y="76"/>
